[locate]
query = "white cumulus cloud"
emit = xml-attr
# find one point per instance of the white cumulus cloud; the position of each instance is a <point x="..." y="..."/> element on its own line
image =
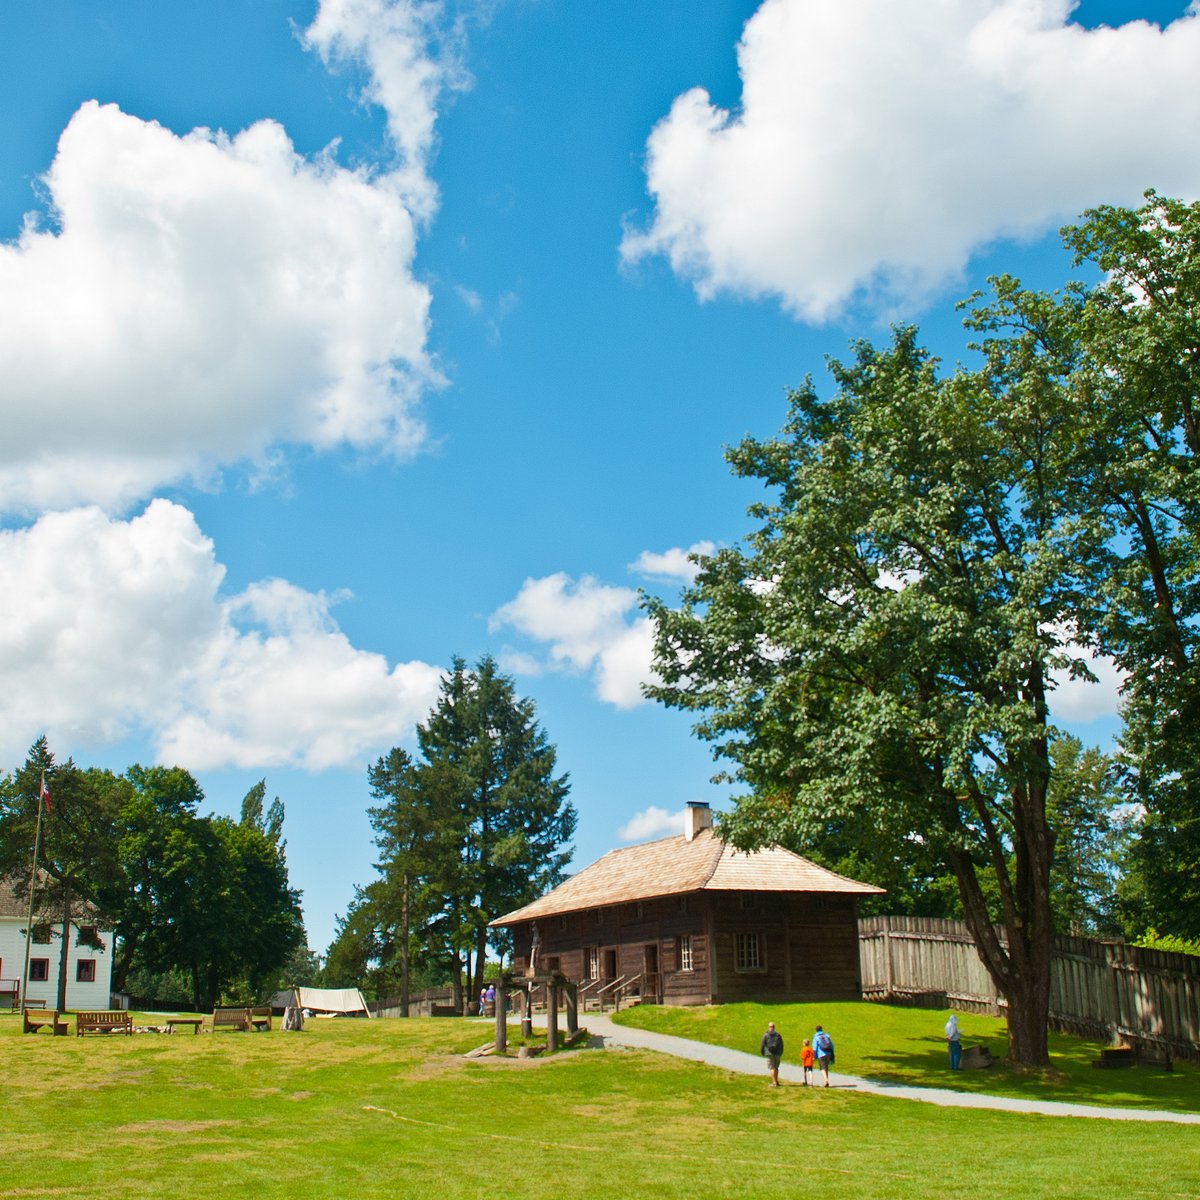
<point x="652" y="822"/>
<point x="672" y="564"/>
<point x="392" y="40"/>
<point x="200" y="300"/>
<point x="1079" y="701"/>
<point x="879" y="143"/>
<point x="118" y="628"/>
<point x="588" y="626"/>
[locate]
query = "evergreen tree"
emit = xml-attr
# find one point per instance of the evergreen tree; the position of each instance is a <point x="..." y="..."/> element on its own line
<point x="476" y="827"/>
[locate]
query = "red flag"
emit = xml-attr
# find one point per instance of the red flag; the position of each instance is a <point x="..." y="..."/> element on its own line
<point x="44" y="793"/>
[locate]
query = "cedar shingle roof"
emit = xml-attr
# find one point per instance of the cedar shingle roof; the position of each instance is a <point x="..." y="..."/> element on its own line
<point x="12" y="905"/>
<point x="674" y="866"/>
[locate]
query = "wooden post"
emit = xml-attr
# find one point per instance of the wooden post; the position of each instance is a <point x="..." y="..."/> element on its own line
<point x="501" y="1038"/>
<point x="527" y="1010"/>
<point x="552" y="1015"/>
<point x="886" y="931"/>
<point x="572" y="990"/>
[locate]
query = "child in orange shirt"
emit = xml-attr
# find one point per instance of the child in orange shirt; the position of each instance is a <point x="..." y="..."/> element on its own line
<point x="806" y="1061"/>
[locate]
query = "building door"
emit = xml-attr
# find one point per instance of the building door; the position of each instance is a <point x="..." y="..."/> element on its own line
<point x="610" y="964"/>
<point x="651" y="982"/>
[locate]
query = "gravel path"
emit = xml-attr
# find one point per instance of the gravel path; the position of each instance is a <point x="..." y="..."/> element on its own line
<point x="752" y="1064"/>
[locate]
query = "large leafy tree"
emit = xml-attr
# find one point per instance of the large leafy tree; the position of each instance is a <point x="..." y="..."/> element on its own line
<point x="77" y="861"/>
<point x="882" y="650"/>
<point x="204" y="895"/>
<point x="1125" y="351"/>
<point x="154" y="808"/>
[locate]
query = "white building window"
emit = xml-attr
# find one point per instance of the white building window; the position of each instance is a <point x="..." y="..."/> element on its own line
<point x="747" y="952"/>
<point x="686" y="962"/>
<point x="593" y="962"/>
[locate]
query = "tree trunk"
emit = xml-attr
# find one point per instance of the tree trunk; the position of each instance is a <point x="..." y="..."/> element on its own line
<point x="405" y="940"/>
<point x="1020" y="970"/>
<point x="1028" y="1013"/>
<point x="64" y="950"/>
<point x="123" y="962"/>
<point x="480" y="958"/>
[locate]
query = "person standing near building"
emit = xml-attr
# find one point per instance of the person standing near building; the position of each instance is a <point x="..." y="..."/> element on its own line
<point x="823" y="1049"/>
<point x="954" y="1042"/>
<point x="771" y="1048"/>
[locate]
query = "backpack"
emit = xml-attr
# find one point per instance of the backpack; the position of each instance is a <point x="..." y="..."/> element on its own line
<point x="823" y="1044"/>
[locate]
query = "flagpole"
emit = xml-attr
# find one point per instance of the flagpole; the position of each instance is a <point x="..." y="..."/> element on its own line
<point x="37" y="847"/>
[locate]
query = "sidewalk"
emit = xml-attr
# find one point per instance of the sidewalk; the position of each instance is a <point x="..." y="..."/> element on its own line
<point x="753" y="1064"/>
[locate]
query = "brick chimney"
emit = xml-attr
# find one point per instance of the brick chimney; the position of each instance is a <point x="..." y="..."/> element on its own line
<point x="699" y="816"/>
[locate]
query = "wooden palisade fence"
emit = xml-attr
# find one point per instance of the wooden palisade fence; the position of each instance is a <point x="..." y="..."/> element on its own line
<point x="1102" y="989"/>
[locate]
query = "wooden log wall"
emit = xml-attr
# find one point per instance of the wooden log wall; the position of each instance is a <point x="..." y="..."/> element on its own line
<point x="1102" y="989"/>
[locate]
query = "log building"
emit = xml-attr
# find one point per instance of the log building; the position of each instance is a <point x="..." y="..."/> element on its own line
<point x="691" y="920"/>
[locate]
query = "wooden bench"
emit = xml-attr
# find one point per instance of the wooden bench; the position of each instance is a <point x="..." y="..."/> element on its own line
<point x="197" y="1023"/>
<point x="231" y="1018"/>
<point x="33" y="1019"/>
<point x="109" y="1021"/>
<point x="260" y="1018"/>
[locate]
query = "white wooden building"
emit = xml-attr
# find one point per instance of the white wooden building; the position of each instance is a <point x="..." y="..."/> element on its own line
<point x="89" y="956"/>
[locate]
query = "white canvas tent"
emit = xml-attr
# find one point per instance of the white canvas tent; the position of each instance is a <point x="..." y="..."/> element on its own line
<point x="332" y="1001"/>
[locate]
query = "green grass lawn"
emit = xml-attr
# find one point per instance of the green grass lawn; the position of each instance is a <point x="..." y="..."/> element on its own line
<point x="907" y="1045"/>
<point x="390" y="1108"/>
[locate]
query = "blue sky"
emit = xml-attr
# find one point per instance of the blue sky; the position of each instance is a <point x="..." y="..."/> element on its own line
<point x="339" y="339"/>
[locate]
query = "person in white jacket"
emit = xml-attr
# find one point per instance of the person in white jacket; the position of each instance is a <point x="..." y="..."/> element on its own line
<point x="953" y="1042"/>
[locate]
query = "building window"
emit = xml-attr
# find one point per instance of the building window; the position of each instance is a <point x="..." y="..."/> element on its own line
<point x="562" y="923"/>
<point x="749" y="900"/>
<point x="683" y="904"/>
<point x="592" y="966"/>
<point x="639" y="911"/>
<point x="747" y="952"/>
<point x="684" y="957"/>
<point x="599" y="916"/>
<point x="39" y="970"/>
<point x="85" y="970"/>
<point x="89" y="935"/>
<point x="41" y="935"/>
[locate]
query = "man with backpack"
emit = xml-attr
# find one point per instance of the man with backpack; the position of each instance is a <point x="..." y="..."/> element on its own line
<point x="771" y="1048"/>
<point x="823" y="1049"/>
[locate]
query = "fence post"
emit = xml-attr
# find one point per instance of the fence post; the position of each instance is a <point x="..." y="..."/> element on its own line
<point x="885" y="929"/>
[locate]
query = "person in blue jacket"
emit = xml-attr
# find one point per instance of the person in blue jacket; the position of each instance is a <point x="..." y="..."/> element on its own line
<point x="822" y="1045"/>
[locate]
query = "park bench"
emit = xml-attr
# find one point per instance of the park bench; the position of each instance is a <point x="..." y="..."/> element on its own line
<point x="108" y="1021"/>
<point x="33" y="1019"/>
<point x="195" y="1023"/>
<point x="1137" y="1052"/>
<point x="260" y="1018"/>
<point x="231" y="1018"/>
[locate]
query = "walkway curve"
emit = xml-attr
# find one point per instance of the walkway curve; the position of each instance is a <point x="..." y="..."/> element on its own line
<point x="752" y="1064"/>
